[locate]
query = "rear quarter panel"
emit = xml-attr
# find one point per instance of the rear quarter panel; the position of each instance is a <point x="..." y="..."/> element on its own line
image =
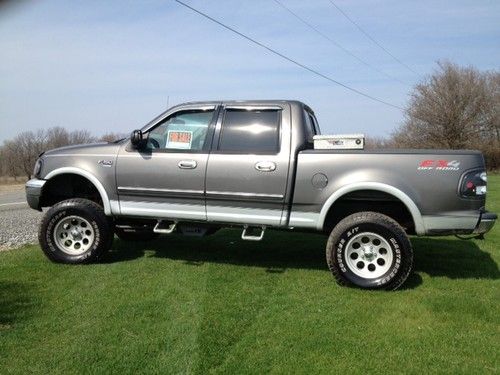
<point x="430" y="178"/>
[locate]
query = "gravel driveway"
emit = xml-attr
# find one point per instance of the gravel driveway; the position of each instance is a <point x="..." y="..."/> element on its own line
<point x="18" y="222"/>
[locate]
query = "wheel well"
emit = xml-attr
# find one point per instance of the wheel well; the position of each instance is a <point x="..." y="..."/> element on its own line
<point x="66" y="186"/>
<point x="369" y="200"/>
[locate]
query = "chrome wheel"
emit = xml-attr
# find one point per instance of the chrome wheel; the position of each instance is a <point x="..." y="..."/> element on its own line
<point x="368" y="255"/>
<point x="74" y="235"/>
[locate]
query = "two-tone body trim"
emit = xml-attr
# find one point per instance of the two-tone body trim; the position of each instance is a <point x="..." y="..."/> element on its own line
<point x="163" y="210"/>
<point x="242" y="215"/>
<point x="130" y="190"/>
<point x="233" y="194"/>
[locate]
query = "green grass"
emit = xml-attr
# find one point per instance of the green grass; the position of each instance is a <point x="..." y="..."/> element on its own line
<point x="221" y="305"/>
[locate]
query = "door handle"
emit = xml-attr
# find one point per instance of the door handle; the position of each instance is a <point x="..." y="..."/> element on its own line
<point x="187" y="164"/>
<point x="265" y="166"/>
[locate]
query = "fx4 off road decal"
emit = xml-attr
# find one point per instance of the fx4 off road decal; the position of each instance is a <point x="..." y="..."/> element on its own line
<point x="439" y="165"/>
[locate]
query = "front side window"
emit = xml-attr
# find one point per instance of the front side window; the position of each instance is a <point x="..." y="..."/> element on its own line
<point x="186" y="130"/>
<point x="255" y="131"/>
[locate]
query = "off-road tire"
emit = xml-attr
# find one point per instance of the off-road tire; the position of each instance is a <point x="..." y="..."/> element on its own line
<point x="135" y="236"/>
<point x="91" y="213"/>
<point x="376" y="226"/>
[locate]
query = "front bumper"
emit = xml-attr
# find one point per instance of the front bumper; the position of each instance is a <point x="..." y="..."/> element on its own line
<point x="485" y="223"/>
<point x="34" y="188"/>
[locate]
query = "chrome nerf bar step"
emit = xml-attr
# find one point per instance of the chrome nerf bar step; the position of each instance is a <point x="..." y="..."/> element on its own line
<point x="248" y="233"/>
<point x="168" y="230"/>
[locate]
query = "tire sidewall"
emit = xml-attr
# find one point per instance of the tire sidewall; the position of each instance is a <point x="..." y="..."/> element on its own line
<point x="50" y="246"/>
<point x="397" y="246"/>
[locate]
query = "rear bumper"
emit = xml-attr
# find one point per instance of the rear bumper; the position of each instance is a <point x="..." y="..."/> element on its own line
<point x="34" y="189"/>
<point x="459" y="222"/>
<point x="485" y="223"/>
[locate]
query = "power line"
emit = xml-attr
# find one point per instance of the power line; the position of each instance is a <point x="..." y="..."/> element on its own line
<point x="372" y="39"/>
<point x="288" y="58"/>
<point x="335" y="43"/>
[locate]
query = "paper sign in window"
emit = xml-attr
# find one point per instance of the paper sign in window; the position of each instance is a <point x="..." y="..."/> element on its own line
<point x="179" y="139"/>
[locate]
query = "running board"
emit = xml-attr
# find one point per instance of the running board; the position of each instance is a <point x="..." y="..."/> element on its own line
<point x="170" y="229"/>
<point x="247" y="236"/>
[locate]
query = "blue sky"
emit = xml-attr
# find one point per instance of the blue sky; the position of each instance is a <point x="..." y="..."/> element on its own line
<point x="110" y="66"/>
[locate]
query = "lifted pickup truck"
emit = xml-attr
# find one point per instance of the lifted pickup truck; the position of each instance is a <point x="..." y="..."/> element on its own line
<point x="252" y="164"/>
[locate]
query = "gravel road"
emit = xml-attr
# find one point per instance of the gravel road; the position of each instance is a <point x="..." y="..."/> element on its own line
<point x="18" y="222"/>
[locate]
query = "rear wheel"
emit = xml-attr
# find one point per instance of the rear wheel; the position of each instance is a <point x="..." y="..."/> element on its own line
<point x="75" y="231"/>
<point x="369" y="250"/>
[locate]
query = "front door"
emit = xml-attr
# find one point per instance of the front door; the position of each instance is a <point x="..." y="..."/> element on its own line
<point x="167" y="178"/>
<point x="247" y="170"/>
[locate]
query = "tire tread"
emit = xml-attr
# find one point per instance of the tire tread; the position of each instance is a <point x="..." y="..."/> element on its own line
<point x="89" y="206"/>
<point x="365" y="217"/>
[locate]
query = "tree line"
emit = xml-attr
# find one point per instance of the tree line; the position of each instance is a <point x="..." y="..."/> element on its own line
<point x="454" y="108"/>
<point x="18" y="155"/>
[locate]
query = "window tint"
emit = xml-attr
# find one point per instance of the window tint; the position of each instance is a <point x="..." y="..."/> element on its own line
<point x="250" y="131"/>
<point x="185" y="130"/>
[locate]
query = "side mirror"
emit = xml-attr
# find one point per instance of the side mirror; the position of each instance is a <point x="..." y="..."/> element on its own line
<point x="137" y="139"/>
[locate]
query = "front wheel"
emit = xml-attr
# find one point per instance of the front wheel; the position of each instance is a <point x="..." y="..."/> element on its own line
<point x="75" y="231"/>
<point x="369" y="250"/>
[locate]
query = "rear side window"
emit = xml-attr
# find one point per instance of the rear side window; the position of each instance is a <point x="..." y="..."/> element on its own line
<point x="256" y="131"/>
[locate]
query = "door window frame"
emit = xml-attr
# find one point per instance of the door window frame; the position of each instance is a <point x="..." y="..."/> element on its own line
<point x="207" y="144"/>
<point x="220" y="123"/>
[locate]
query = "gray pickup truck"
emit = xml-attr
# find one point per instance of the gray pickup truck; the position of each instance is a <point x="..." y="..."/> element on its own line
<point x="199" y="167"/>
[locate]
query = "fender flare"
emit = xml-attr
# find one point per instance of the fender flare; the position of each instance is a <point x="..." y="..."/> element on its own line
<point x="403" y="197"/>
<point x="89" y="176"/>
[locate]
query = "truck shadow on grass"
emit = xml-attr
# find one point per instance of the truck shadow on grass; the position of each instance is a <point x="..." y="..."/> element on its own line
<point x="437" y="257"/>
<point x="453" y="258"/>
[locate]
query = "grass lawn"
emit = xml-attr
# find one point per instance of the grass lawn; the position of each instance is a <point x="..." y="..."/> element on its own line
<point x="222" y="305"/>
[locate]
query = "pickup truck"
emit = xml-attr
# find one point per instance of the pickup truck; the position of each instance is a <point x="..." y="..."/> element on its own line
<point x="202" y="166"/>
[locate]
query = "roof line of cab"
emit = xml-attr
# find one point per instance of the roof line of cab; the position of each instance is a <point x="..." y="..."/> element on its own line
<point x="162" y="115"/>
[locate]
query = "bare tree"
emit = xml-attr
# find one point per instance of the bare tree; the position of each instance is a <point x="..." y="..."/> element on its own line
<point x="372" y="142"/>
<point x="19" y="154"/>
<point x="494" y="94"/>
<point x="111" y="137"/>
<point x="57" y="136"/>
<point x="25" y="148"/>
<point x="77" y="137"/>
<point x="454" y="108"/>
<point x="10" y="166"/>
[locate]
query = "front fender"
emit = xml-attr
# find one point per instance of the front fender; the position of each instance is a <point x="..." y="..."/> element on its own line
<point x="93" y="179"/>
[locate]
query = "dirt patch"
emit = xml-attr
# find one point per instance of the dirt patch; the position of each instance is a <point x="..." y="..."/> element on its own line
<point x="11" y="187"/>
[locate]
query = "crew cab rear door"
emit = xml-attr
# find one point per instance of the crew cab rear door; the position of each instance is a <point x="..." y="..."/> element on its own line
<point x="248" y="166"/>
<point x="167" y="178"/>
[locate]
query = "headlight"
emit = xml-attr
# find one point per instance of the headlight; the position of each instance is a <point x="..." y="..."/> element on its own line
<point x="38" y="168"/>
<point x="473" y="184"/>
